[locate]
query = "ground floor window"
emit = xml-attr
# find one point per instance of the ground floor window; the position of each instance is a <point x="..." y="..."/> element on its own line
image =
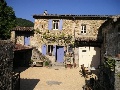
<point x="50" y="50"/>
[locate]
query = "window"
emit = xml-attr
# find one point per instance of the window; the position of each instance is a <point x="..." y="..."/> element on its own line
<point x="55" y="24"/>
<point x="50" y="50"/>
<point x="83" y="29"/>
<point x="83" y="50"/>
<point x="70" y="49"/>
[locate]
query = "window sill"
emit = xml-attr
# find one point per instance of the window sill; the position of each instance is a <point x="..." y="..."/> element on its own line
<point x="83" y="33"/>
<point x="55" y="29"/>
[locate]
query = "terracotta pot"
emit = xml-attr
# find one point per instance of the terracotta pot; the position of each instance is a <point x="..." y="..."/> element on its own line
<point x="118" y="55"/>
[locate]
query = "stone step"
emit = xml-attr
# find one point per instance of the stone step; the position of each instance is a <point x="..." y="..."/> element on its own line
<point x="57" y="64"/>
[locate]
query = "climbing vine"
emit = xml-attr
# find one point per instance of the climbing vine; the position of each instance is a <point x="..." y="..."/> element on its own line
<point x="57" y="37"/>
<point x="110" y="62"/>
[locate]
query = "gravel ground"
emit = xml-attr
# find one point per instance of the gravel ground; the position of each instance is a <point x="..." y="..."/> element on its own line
<point x="43" y="78"/>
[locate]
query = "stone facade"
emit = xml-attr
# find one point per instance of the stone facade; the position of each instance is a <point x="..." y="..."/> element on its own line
<point x="69" y="27"/>
<point x="18" y="34"/>
<point x="110" y="47"/>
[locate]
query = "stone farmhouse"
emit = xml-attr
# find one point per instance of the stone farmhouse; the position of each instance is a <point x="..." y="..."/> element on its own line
<point x="56" y="36"/>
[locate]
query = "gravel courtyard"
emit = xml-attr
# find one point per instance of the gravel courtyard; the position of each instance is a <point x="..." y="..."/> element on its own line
<point x="42" y="78"/>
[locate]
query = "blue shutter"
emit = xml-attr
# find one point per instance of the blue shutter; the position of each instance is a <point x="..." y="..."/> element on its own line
<point x="27" y="40"/>
<point x="54" y="50"/>
<point x="44" y="49"/>
<point x="50" y="25"/>
<point x="61" y="24"/>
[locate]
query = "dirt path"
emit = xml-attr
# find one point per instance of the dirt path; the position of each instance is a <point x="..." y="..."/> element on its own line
<point x="42" y="78"/>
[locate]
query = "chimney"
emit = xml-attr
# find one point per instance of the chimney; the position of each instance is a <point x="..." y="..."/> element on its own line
<point x="45" y="12"/>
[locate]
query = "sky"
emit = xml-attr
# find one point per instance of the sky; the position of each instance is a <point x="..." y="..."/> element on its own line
<point x="27" y="8"/>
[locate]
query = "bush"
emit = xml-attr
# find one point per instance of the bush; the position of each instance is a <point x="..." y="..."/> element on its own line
<point x="47" y="63"/>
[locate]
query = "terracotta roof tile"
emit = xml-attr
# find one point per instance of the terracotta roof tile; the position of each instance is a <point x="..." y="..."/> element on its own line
<point x="88" y="38"/>
<point x="21" y="47"/>
<point x="18" y="28"/>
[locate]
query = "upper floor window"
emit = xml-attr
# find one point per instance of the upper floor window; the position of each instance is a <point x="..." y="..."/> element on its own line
<point x="83" y="29"/>
<point x="55" y="24"/>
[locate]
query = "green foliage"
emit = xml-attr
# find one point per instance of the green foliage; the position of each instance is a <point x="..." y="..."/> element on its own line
<point x="110" y="62"/>
<point x="47" y="63"/>
<point x="24" y="23"/>
<point x="118" y="74"/>
<point x="7" y="20"/>
<point x="31" y="61"/>
<point x="53" y="37"/>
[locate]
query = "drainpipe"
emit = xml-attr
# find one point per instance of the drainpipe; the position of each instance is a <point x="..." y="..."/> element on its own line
<point x="74" y="42"/>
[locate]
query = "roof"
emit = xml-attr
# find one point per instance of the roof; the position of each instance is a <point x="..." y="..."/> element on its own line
<point x="19" y="47"/>
<point x="18" y="28"/>
<point x="70" y="16"/>
<point x="88" y="38"/>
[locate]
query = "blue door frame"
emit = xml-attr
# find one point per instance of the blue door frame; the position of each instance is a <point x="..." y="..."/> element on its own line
<point x="60" y="54"/>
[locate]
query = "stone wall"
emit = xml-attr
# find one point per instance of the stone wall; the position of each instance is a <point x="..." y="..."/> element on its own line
<point x="6" y="65"/>
<point x="110" y="47"/>
<point x="92" y="27"/>
<point x="111" y="38"/>
<point x="77" y="56"/>
<point x="20" y="36"/>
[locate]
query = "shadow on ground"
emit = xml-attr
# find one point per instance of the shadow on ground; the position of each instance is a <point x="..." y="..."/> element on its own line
<point x="19" y="69"/>
<point x="28" y="84"/>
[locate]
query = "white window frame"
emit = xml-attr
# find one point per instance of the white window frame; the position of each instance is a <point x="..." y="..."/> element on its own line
<point x="55" y="22"/>
<point x="83" y="29"/>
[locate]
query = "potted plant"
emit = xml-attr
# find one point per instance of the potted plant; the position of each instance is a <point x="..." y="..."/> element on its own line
<point x="50" y="54"/>
<point x="110" y="63"/>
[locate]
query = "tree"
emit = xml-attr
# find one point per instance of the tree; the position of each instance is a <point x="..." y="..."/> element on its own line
<point x="7" y="20"/>
<point x="24" y="23"/>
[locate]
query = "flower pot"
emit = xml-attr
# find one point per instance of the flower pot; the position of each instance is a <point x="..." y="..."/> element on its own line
<point x="118" y="55"/>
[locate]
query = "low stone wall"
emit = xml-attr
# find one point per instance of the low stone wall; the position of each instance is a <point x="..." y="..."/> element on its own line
<point x="110" y="75"/>
<point x="6" y="64"/>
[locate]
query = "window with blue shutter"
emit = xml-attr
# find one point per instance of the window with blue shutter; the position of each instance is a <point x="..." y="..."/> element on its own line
<point x="61" y="24"/>
<point x="50" y="25"/>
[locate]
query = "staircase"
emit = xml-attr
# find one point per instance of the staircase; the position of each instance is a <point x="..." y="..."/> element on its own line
<point x="38" y="56"/>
